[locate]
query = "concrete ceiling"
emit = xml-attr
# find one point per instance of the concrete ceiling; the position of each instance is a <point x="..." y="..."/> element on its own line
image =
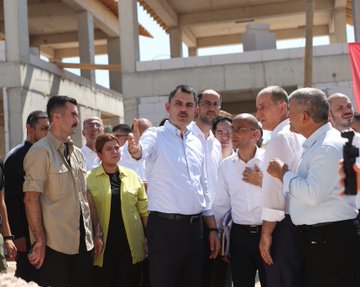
<point x="53" y="25"/>
<point x="216" y="22"/>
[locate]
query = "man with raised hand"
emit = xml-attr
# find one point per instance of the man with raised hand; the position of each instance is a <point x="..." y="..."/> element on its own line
<point x="177" y="195"/>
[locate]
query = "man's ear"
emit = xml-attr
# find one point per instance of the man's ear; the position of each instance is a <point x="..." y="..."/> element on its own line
<point x="167" y="107"/>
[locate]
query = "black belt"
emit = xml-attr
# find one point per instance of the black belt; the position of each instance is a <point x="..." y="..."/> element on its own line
<point x="177" y="217"/>
<point x="253" y="229"/>
<point x="319" y="226"/>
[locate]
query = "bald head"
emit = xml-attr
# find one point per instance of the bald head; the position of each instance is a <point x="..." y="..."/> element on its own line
<point x="341" y="112"/>
<point x="249" y="118"/>
<point x="144" y="124"/>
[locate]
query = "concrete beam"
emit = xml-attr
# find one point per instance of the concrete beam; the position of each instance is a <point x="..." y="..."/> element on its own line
<point x="104" y="19"/>
<point x="56" y="9"/>
<point x="70" y="37"/>
<point x="232" y="39"/>
<point x="340" y="3"/>
<point x="165" y="11"/>
<point x="250" y="13"/>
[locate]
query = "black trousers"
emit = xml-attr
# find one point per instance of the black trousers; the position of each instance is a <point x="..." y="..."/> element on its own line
<point x="24" y="269"/>
<point x="330" y="254"/>
<point x="215" y="270"/>
<point x="285" y="252"/>
<point x="175" y="252"/>
<point x="245" y="257"/>
<point x="63" y="270"/>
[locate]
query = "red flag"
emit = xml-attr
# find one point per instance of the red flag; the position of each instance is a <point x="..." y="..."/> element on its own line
<point x="354" y="52"/>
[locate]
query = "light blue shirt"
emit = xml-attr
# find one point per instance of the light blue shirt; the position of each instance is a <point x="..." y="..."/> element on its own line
<point x="175" y="171"/>
<point x="313" y="191"/>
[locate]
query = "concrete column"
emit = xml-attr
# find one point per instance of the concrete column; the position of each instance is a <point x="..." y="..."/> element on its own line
<point x="175" y="37"/>
<point x="16" y="30"/>
<point x="129" y="35"/>
<point x="356" y="19"/>
<point x="86" y="43"/>
<point x="193" y="51"/>
<point x="14" y="105"/>
<point x="338" y="29"/>
<point x="113" y="49"/>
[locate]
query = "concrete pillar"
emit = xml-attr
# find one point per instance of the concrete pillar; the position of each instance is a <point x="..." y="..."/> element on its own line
<point x="14" y="105"/>
<point x="86" y="43"/>
<point x="356" y="19"/>
<point x="175" y="37"/>
<point x="258" y="37"/>
<point x="338" y="27"/>
<point x="113" y="49"/>
<point x="129" y="35"/>
<point x="193" y="51"/>
<point x="16" y="30"/>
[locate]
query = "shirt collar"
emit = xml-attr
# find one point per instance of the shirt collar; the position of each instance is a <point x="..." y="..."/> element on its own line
<point x="100" y="171"/>
<point x="280" y="126"/>
<point x="315" y="135"/>
<point x="198" y="132"/>
<point x="59" y="144"/>
<point x="258" y="155"/>
<point x="174" y="130"/>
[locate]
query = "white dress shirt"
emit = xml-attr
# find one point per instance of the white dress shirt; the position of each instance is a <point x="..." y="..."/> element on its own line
<point x="91" y="158"/>
<point x="175" y="171"/>
<point x="286" y="146"/>
<point x="356" y="142"/>
<point x="128" y="161"/>
<point x="213" y="156"/>
<point x="314" y="189"/>
<point x="244" y="199"/>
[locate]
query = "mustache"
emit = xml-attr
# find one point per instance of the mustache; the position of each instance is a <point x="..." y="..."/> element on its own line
<point x="183" y="114"/>
<point x="74" y="126"/>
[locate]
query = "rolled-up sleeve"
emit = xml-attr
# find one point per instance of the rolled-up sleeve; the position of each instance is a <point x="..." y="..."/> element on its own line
<point x="36" y="169"/>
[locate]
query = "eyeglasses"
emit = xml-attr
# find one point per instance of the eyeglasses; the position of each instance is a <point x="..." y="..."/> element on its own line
<point x="94" y="125"/>
<point x="242" y="129"/>
<point x="208" y="104"/>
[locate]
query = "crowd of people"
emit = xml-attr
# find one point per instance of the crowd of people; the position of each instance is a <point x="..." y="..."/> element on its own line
<point x="152" y="206"/>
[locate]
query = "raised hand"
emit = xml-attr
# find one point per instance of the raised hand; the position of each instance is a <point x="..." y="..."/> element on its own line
<point x="133" y="141"/>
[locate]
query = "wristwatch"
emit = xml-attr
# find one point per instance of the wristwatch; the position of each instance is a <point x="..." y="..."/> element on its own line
<point x="9" y="237"/>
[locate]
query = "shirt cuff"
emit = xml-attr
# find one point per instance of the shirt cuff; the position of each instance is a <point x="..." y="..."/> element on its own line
<point x="208" y="212"/>
<point x="272" y="215"/>
<point x="288" y="177"/>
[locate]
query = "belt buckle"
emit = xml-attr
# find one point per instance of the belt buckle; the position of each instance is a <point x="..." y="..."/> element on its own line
<point x="253" y="229"/>
<point x="194" y="218"/>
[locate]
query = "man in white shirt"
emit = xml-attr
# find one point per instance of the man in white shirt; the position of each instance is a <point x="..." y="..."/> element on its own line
<point x="177" y="195"/>
<point x="244" y="200"/>
<point x="222" y="128"/>
<point x="92" y="127"/>
<point x="330" y="234"/>
<point x="209" y="104"/>
<point x="279" y="239"/>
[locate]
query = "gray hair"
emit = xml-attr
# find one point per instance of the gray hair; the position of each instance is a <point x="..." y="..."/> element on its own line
<point x="313" y="101"/>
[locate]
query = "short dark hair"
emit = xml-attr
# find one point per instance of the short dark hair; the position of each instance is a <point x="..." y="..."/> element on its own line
<point x="34" y="117"/>
<point x="220" y="120"/>
<point x="278" y="94"/>
<point x="58" y="102"/>
<point x="184" y="89"/>
<point x="122" y="128"/>
<point x="313" y="101"/>
<point x="102" y="139"/>
<point x="201" y="94"/>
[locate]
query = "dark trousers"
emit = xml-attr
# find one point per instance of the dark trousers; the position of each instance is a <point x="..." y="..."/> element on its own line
<point x="215" y="270"/>
<point x="63" y="270"/>
<point x="24" y="269"/>
<point x="285" y="252"/>
<point x="175" y="252"/>
<point x="245" y="256"/>
<point x="117" y="270"/>
<point x="331" y="254"/>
